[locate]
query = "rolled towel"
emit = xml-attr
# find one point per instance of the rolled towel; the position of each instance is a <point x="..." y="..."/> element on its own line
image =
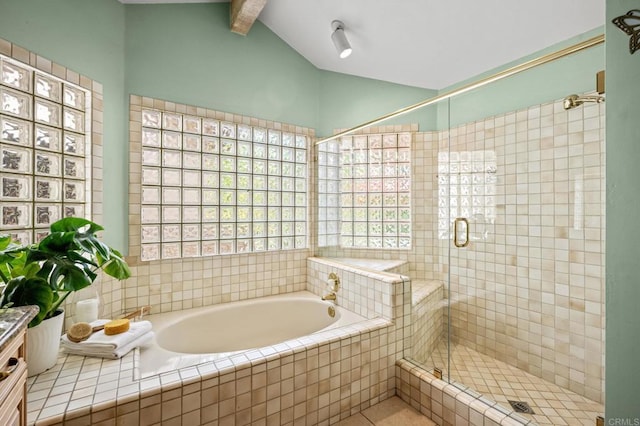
<point x="117" y="353"/>
<point x="100" y="342"/>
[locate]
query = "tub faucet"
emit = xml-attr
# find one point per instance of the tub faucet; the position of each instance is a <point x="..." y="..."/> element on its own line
<point x="333" y="282"/>
<point x="330" y="296"/>
<point x="333" y="285"/>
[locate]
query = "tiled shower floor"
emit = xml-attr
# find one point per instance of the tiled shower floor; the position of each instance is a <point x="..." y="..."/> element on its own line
<point x="500" y="382"/>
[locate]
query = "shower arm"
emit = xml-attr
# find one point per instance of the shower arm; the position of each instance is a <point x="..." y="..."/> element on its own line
<point x="573" y="101"/>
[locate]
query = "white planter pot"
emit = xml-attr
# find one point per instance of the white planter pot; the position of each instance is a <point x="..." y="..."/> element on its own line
<point x="43" y="343"/>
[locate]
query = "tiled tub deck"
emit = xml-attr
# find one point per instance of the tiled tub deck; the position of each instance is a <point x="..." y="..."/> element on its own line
<point x="317" y="379"/>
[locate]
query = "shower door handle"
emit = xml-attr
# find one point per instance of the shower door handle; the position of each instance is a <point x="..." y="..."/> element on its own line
<point x="456" y="242"/>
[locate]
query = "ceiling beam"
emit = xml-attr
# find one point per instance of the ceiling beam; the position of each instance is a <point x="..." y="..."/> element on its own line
<point x="244" y="13"/>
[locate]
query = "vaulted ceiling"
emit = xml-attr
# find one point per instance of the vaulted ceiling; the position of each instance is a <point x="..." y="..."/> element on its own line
<point x="425" y="43"/>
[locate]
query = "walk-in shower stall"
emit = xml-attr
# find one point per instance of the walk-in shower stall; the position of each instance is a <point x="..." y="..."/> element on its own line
<point x="501" y="222"/>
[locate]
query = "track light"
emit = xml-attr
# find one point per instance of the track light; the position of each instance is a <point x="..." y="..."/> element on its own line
<point x="340" y="39"/>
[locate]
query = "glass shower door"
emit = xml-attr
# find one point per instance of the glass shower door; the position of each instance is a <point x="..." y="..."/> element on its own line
<point x="430" y="288"/>
<point x="526" y="261"/>
<point x="468" y="178"/>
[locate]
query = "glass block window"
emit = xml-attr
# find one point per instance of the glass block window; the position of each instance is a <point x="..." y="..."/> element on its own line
<point x="466" y="188"/>
<point x="45" y="147"/>
<point x="213" y="187"/>
<point x="375" y="191"/>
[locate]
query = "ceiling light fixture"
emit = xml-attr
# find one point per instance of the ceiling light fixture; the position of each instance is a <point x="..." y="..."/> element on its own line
<point x="340" y="39"/>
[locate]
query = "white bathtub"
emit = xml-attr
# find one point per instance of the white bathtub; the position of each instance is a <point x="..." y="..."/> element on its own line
<point x="198" y="335"/>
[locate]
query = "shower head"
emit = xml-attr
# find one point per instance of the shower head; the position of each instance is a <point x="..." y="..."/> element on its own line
<point x="573" y="101"/>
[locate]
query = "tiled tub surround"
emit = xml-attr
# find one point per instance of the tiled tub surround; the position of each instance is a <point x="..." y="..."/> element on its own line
<point x="173" y="285"/>
<point x="427" y="300"/>
<point x="318" y="379"/>
<point x="427" y="303"/>
<point x="427" y="319"/>
<point x="184" y="338"/>
<point x="363" y="291"/>
<point x="385" y="265"/>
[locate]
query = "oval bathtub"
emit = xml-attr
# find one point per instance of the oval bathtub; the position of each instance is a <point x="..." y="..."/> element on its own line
<point x="245" y="325"/>
<point x="197" y="335"/>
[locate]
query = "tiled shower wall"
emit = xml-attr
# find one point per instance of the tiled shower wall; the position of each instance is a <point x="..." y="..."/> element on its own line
<point x="532" y="293"/>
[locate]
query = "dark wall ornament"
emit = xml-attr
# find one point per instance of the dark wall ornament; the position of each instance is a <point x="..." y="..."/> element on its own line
<point x="630" y="24"/>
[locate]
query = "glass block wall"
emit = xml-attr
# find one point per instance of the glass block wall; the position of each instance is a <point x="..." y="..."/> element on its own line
<point x="215" y="187"/>
<point x="467" y="188"/>
<point x="375" y="173"/>
<point x="328" y="193"/>
<point x="45" y="143"/>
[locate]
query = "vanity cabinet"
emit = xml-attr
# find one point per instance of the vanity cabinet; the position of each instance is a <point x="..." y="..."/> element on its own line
<point x="13" y="364"/>
<point x="13" y="387"/>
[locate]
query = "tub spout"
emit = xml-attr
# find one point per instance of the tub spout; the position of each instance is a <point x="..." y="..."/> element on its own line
<point x="139" y="313"/>
<point x="330" y="296"/>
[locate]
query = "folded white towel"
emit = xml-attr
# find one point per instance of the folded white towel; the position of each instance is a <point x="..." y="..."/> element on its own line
<point x="101" y="342"/>
<point x="117" y="353"/>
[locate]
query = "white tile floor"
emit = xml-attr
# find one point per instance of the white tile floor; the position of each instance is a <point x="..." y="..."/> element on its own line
<point x="501" y="382"/>
<point x="390" y="412"/>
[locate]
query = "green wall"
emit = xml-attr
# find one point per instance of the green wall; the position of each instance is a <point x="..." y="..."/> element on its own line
<point x="623" y="205"/>
<point x="86" y="37"/>
<point x="259" y="75"/>
<point x="187" y="54"/>
<point x="573" y="74"/>
<point x="347" y="101"/>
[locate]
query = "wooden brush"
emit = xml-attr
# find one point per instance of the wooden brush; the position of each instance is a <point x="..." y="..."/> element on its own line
<point x="81" y="331"/>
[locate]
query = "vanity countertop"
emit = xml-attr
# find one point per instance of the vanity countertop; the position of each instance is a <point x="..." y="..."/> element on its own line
<point x="14" y="320"/>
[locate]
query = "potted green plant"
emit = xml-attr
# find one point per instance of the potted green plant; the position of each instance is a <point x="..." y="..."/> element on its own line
<point x="46" y="273"/>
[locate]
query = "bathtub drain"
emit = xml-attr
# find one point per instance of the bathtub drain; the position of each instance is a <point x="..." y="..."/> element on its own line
<point x="521" y="407"/>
